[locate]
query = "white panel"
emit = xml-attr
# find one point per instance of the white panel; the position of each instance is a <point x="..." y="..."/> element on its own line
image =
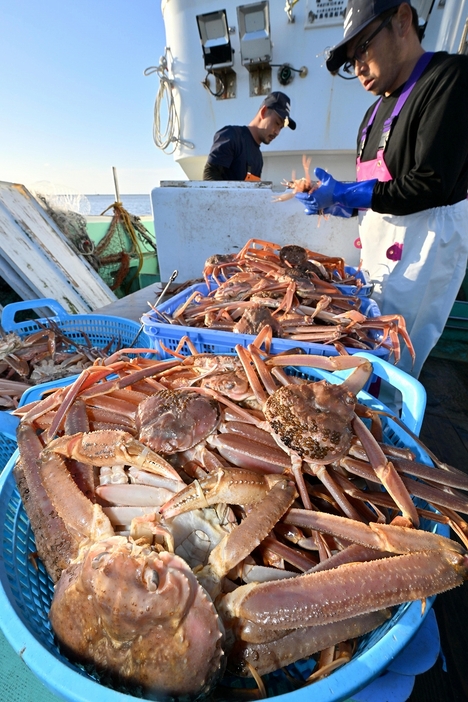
<point x="321" y="13"/>
<point x="195" y="220"/>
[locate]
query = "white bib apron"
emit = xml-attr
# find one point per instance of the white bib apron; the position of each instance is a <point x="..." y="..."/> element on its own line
<point x="425" y="282"/>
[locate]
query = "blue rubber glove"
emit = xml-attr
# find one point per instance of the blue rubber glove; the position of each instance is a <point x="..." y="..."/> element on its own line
<point x="333" y="192"/>
<point x="312" y="209"/>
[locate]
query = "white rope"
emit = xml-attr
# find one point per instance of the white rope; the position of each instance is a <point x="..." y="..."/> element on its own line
<point x="169" y="139"/>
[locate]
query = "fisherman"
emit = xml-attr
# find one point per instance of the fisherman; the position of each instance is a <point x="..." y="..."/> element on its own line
<point x="412" y="168"/>
<point x="235" y="153"/>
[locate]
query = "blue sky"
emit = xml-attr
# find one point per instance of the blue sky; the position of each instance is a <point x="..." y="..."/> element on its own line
<point x="74" y="100"/>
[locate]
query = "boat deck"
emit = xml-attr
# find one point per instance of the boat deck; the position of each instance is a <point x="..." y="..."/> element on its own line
<point x="445" y="431"/>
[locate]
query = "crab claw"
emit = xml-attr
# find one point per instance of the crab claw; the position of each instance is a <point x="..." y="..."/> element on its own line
<point x="110" y="447"/>
<point x="235" y="486"/>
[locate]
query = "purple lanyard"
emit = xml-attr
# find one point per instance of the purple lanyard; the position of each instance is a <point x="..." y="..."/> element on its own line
<point x="408" y="87"/>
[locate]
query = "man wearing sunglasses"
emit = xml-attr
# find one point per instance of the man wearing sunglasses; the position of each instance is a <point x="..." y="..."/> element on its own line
<point x="411" y="168"/>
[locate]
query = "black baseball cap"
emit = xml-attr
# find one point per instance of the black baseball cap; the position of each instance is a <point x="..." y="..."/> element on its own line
<point x="359" y="13"/>
<point x="280" y="103"/>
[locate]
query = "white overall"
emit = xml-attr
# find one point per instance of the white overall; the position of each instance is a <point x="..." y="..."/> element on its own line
<point x="422" y="285"/>
<point x="416" y="262"/>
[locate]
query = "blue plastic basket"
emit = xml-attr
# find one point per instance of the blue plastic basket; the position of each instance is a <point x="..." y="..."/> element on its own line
<point x="8" y="424"/>
<point x="225" y="342"/>
<point x="98" y="330"/>
<point x="26" y="591"/>
<point x="365" y="290"/>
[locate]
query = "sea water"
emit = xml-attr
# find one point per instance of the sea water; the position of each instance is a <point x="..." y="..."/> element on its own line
<point x="138" y="205"/>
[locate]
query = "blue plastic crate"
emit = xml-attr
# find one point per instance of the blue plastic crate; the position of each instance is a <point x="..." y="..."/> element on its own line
<point x="98" y="330"/>
<point x="8" y="424"/>
<point x="365" y="290"/>
<point x="26" y="592"/>
<point x="217" y="341"/>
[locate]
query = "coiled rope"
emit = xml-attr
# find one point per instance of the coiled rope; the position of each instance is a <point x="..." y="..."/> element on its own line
<point x="168" y="139"/>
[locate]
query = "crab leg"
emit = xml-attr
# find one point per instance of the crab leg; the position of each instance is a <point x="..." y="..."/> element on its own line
<point x="267" y="657"/>
<point x="386" y="472"/>
<point x="83" y="519"/>
<point x="244" y="452"/>
<point x="229" y="485"/>
<point x="34" y="410"/>
<point x="351" y="589"/>
<point x="55" y="544"/>
<point x="432" y="493"/>
<point x="84" y="380"/>
<point x="237" y="545"/>
<point x="382" y="537"/>
<point x="330" y="363"/>
<point x="431" y="564"/>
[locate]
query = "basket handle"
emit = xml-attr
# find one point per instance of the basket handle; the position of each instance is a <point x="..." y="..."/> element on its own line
<point x="9" y="311"/>
<point x="412" y="391"/>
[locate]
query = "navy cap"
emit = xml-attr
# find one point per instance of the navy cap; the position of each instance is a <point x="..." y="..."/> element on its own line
<point x="280" y="103"/>
<point x="359" y="13"/>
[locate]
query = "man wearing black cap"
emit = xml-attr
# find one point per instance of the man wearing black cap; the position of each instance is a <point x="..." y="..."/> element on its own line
<point x="411" y="167"/>
<point x="235" y="154"/>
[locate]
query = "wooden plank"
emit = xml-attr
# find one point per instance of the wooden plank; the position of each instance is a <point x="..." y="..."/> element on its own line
<point x="36" y="250"/>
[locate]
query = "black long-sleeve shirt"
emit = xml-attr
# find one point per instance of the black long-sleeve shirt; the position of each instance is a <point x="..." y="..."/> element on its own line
<point x="427" y="153"/>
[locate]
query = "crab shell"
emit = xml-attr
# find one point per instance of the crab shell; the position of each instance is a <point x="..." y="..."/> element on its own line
<point x="139" y="618"/>
<point x="176" y="421"/>
<point x="313" y="419"/>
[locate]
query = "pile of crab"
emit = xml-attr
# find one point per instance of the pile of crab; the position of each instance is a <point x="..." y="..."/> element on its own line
<point x="294" y="292"/>
<point x="46" y="355"/>
<point x="208" y="515"/>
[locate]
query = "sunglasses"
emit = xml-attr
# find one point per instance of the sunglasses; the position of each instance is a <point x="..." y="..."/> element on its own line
<point x="361" y="52"/>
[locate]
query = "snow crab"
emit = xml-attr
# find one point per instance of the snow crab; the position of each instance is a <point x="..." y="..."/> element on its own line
<point x="260" y="575"/>
<point x="301" y="185"/>
<point x="265" y="257"/>
<point x="293" y="291"/>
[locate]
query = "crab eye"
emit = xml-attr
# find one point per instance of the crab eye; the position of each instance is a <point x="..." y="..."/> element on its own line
<point x="99" y="560"/>
<point x="151" y="578"/>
